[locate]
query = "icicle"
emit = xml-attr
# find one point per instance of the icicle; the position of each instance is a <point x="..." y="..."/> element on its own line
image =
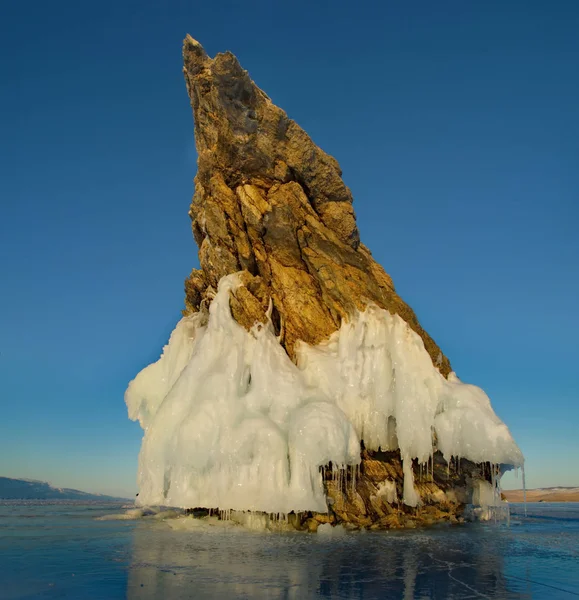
<point x="410" y="497"/>
<point x="494" y="487"/>
<point x="355" y="471"/>
<point x="524" y="488"/>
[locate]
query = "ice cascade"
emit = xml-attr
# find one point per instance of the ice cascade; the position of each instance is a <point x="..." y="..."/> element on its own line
<point x="232" y="423"/>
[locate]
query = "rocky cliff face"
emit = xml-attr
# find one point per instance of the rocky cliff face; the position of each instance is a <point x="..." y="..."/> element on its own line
<point x="270" y="203"/>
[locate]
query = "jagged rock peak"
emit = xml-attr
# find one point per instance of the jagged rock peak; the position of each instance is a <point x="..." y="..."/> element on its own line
<point x="270" y="203"/>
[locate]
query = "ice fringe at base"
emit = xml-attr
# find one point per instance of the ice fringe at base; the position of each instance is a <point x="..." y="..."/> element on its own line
<point x="231" y="422"/>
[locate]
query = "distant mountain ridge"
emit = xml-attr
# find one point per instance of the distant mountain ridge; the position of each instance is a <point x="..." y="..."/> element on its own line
<point x="32" y="489"/>
<point x="549" y="494"/>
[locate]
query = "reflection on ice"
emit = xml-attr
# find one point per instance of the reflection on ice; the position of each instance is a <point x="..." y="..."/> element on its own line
<point x="228" y="562"/>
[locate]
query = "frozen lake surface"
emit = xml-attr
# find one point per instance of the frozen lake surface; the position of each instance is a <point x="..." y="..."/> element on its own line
<point x="63" y="550"/>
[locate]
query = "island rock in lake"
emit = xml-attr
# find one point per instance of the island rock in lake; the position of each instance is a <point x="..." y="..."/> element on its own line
<point x="298" y="381"/>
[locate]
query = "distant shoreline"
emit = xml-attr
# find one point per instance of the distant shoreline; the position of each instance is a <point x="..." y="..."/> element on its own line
<point x="543" y="495"/>
<point x="32" y="489"/>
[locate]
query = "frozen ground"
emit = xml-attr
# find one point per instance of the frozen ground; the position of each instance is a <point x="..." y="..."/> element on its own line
<point x="56" y="550"/>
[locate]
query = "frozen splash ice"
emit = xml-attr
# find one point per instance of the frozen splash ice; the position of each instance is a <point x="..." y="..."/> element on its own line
<point x="231" y="422"/>
<point x="378" y="372"/>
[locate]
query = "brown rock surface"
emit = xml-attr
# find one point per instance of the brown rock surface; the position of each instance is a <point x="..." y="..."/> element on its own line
<point x="271" y="203"/>
<point x="354" y="497"/>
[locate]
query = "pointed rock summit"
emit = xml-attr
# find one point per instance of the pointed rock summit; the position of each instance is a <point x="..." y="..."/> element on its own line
<point x="272" y="204"/>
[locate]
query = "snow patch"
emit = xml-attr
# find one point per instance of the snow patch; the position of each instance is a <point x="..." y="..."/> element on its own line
<point x="327" y="530"/>
<point x="387" y="491"/>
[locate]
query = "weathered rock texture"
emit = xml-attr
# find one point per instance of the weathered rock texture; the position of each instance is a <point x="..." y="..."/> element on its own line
<point x="270" y="203"/>
<point x="358" y="499"/>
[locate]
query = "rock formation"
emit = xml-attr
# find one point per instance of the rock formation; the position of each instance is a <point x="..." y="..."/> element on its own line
<point x="271" y="207"/>
<point x="271" y="203"/>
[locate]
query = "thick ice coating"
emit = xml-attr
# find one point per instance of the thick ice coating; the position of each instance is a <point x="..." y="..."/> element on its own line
<point x="232" y="423"/>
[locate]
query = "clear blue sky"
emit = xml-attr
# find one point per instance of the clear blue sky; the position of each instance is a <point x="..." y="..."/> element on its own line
<point x="457" y="128"/>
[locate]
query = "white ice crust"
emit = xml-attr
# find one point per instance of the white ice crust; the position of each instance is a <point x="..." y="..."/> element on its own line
<point x="232" y="423"/>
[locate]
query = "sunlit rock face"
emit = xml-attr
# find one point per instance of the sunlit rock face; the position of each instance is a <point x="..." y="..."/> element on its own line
<point x="298" y="380"/>
<point x="268" y="201"/>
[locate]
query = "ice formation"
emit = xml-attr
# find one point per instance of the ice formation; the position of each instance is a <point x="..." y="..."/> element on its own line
<point x="232" y="423"/>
